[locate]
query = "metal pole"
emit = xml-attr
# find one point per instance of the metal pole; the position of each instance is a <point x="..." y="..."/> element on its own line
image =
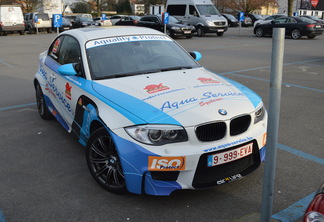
<point x="273" y="122"/>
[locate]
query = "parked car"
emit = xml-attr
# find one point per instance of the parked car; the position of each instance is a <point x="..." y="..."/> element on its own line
<point x="151" y="118"/>
<point x="254" y="17"/>
<point x="66" y="25"/>
<point x="232" y="21"/>
<point x="315" y="209"/>
<point x="268" y="19"/>
<point x="296" y="27"/>
<point x="316" y="19"/>
<point x="81" y="22"/>
<point x="128" y="20"/>
<point x="174" y="28"/>
<point x="11" y="20"/>
<point x="116" y="18"/>
<point x="38" y="21"/>
<point x="247" y="22"/>
<point x="101" y="22"/>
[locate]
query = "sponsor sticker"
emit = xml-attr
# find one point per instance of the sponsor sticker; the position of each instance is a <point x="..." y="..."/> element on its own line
<point x="155" y="88"/>
<point x="229" y="179"/>
<point x="156" y="163"/>
<point x="68" y="88"/>
<point x="121" y="39"/>
<point x="207" y="80"/>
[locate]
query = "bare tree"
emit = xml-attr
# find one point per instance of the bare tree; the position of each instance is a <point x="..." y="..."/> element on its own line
<point x="97" y="5"/>
<point x="29" y="5"/>
<point x="247" y="6"/>
<point x="290" y="7"/>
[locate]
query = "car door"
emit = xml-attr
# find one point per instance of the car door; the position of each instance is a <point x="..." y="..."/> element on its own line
<point x="63" y="91"/>
<point x="279" y="23"/>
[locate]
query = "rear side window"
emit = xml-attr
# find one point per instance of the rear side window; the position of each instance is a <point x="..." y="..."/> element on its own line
<point x="43" y="17"/>
<point x="177" y="9"/>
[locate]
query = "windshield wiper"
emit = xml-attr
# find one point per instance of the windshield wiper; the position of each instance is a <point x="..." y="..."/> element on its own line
<point x="176" y="68"/>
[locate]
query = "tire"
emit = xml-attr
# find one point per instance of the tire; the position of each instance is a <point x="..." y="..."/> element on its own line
<point x="22" y="32"/>
<point x="104" y="163"/>
<point x="259" y="32"/>
<point x="49" y="30"/>
<point x="41" y="104"/>
<point x="220" y="33"/>
<point x="200" y="31"/>
<point x="31" y="30"/>
<point x="189" y="37"/>
<point x="295" y="34"/>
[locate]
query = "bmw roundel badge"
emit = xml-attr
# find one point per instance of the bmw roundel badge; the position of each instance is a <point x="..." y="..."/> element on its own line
<point x="222" y="112"/>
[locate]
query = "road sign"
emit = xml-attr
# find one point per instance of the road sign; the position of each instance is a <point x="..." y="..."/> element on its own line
<point x="166" y="18"/>
<point x="103" y="16"/>
<point x="241" y="19"/>
<point x="57" y="20"/>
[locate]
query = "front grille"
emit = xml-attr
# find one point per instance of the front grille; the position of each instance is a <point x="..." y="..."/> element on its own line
<point x="219" y="23"/>
<point x="240" y="125"/>
<point x="186" y="29"/>
<point x="211" y="132"/>
<point x="208" y="176"/>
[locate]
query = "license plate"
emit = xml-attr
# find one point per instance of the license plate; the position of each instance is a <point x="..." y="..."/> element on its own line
<point x="229" y="156"/>
<point x="220" y="30"/>
<point x="318" y="26"/>
<point x="187" y="32"/>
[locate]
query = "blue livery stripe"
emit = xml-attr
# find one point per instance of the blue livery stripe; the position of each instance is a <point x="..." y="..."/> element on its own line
<point x="134" y="107"/>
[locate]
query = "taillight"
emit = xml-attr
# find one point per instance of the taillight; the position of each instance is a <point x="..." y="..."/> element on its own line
<point x="315" y="210"/>
<point x="1" y="24"/>
<point x="310" y="26"/>
<point x="135" y="22"/>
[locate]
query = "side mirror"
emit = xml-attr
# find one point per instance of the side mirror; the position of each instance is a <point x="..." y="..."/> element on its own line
<point x="196" y="55"/>
<point x="69" y="69"/>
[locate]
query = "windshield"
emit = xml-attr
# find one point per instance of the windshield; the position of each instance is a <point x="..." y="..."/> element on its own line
<point x="207" y="10"/>
<point x="134" y="55"/>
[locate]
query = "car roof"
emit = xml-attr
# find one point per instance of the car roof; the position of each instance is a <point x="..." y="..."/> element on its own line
<point x="86" y="34"/>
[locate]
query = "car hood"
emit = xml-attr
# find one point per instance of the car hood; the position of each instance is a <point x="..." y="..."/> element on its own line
<point x="214" y="17"/>
<point x="187" y="97"/>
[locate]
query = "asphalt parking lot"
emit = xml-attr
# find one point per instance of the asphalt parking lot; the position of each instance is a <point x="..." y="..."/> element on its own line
<point x="43" y="171"/>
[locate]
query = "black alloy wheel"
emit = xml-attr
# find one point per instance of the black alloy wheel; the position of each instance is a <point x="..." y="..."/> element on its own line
<point x="104" y="163"/>
<point x="41" y="104"/>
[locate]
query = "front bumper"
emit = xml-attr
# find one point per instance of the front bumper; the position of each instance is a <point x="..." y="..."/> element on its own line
<point x="142" y="177"/>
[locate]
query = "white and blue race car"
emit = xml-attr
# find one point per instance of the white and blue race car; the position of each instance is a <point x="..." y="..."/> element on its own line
<point x="151" y="118"/>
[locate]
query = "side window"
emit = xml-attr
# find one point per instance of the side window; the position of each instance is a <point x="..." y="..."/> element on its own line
<point x="192" y="10"/>
<point x="69" y="51"/>
<point x="177" y="9"/>
<point x="53" y="51"/>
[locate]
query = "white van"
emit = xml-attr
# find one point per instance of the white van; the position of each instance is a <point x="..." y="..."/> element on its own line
<point x="201" y="13"/>
<point x="11" y="19"/>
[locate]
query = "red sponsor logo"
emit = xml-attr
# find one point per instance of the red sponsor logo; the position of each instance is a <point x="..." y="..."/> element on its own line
<point x="207" y="80"/>
<point x="314" y="3"/>
<point x="155" y="88"/>
<point x="68" y="91"/>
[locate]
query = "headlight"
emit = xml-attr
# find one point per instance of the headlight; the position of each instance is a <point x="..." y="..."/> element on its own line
<point x="157" y="134"/>
<point x="210" y="23"/>
<point x="259" y="114"/>
<point x="175" y="28"/>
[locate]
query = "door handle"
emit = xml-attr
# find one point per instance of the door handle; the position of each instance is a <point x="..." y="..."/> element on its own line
<point x="53" y="76"/>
